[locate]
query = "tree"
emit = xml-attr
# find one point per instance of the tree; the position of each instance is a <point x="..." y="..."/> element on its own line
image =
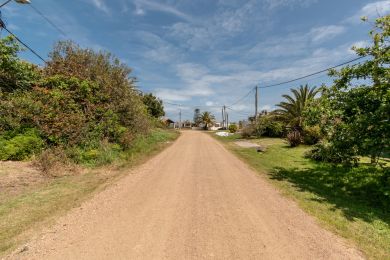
<point x="113" y="78"/>
<point x="207" y="119"/>
<point x="197" y="119"/>
<point x="356" y="108"/>
<point x="292" y="110"/>
<point x="154" y="105"/>
<point x="15" y="74"/>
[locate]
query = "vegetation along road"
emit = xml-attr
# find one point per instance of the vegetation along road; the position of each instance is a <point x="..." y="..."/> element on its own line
<point x="195" y="200"/>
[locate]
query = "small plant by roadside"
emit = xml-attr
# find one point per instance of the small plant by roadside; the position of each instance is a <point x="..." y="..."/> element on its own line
<point x="247" y="131"/>
<point x="294" y="138"/>
<point x="233" y="128"/>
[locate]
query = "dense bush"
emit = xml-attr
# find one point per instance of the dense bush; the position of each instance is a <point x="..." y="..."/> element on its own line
<point x="247" y="131"/>
<point x="328" y="152"/>
<point x="294" y="138"/>
<point x="233" y="128"/>
<point x="269" y="126"/>
<point x="79" y="100"/>
<point x="20" y="146"/>
<point x="311" y="134"/>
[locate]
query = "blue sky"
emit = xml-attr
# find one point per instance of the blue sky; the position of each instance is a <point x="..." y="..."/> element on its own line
<point x="206" y="52"/>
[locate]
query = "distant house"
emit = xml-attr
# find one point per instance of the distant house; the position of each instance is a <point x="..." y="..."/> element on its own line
<point x="213" y="127"/>
<point x="168" y="122"/>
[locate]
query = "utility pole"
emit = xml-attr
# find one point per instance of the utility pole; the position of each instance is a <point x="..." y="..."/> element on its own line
<point x="179" y="116"/>
<point x="256" y="101"/>
<point x="227" y="121"/>
<point x="223" y="119"/>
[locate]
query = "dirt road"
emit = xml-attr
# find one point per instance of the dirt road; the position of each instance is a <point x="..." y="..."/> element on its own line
<point x="195" y="200"/>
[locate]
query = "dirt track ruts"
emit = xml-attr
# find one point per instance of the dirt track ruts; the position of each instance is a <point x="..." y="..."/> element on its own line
<point x="195" y="200"/>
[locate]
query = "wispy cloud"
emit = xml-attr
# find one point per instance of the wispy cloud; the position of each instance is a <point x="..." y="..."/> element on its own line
<point x="272" y="4"/>
<point x="371" y="10"/>
<point x="143" y="5"/>
<point x="101" y="5"/>
<point x="157" y="49"/>
<point x="320" y="34"/>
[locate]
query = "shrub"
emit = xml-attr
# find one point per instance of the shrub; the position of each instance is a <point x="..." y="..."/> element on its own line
<point x="294" y="138"/>
<point x="233" y="128"/>
<point x="21" y="146"/>
<point x="328" y="152"/>
<point x="102" y="154"/>
<point x="247" y="131"/>
<point x="311" y="134"/>
<point x="52" y="160"/>
<point x="268" y="126"/>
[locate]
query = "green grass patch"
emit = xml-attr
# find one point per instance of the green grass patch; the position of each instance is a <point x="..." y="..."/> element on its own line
<point x="41" y="204"/>
<point x="351" y="202"/>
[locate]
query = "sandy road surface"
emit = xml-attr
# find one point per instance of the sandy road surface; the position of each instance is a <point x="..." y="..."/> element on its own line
<point x="195" y="200"/>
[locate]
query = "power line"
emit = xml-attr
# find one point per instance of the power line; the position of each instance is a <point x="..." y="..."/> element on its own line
<point x="239" y="112"/>
<point x="242" y="98"/>
<point x="312" y="74"/>
<point x="48" y="20"/>
<point x="24" y="44"/>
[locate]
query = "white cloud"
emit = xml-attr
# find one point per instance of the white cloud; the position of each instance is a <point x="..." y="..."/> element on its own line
<point x="358" y="44"/>
<point x="101" y="5"/>
<point x="320" y="34"/>
<point x="266" y="107"/>
<point x="371" y="10"/>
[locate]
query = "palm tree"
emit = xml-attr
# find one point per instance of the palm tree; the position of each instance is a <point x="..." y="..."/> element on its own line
<point x="207" y="118"/>
<point x="291" y="111"/>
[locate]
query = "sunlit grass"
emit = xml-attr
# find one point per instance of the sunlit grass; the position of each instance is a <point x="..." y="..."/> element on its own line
<point x="348" y="201"/>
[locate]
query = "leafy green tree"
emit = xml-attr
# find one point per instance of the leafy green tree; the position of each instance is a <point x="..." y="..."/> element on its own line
<point x="207" y="119"/>
<point x="15" y="74"/>
<point x="356" y="109"/>
<point x="292" y="110"/>
<point x="112" y="77"/>
<point x="154" y="105"/>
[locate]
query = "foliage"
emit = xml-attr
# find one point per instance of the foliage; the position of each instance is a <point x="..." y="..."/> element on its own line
<point x="311" y="134"/>
<point x="268" y="125"/>
<point x="15" y="74"/>
<point x="79" y="100"/>
<point x="354" y="112"/>
<point x="109" y="74"/>
<point x="326" y="152"/>
<point x="233" y="128"/>
<point x="20" y="146"/>
<point x="247" y="131"/>
<point x="154" y="105"/>
<point x="292" y="110"/>
<point x="294" y="138"/>
<point x="207" y="119"/>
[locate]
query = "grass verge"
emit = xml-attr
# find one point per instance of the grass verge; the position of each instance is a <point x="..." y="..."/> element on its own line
<point x="344" y="200"/>
<point x="40" y="204"/>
